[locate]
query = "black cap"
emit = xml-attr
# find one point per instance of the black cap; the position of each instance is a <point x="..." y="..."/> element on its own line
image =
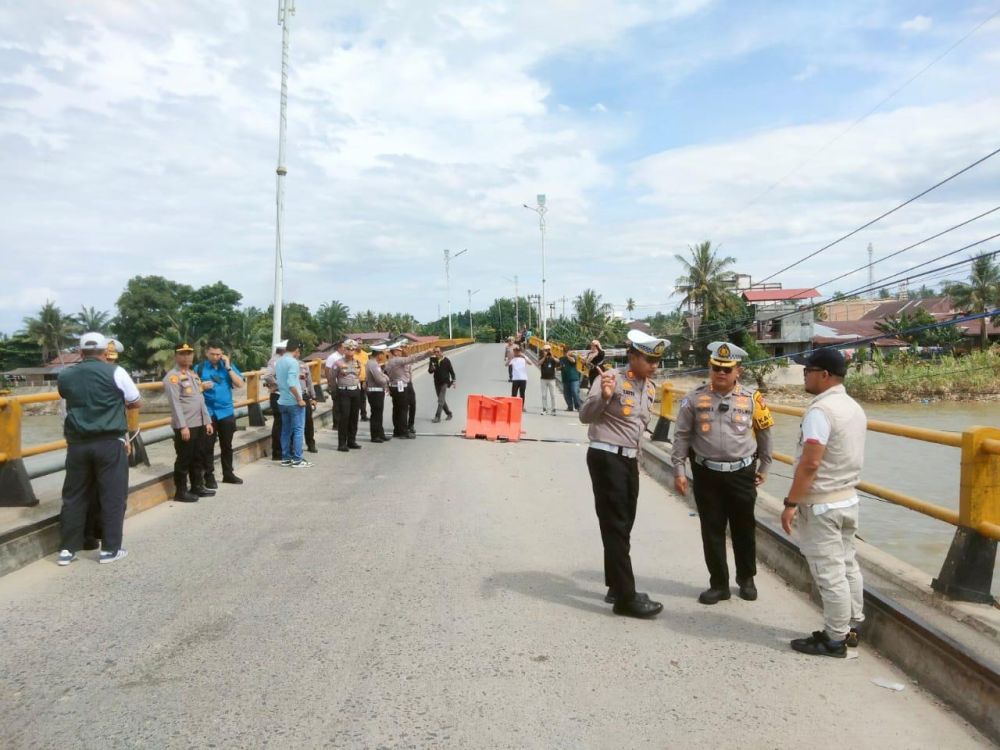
<point x="830" y="360"/>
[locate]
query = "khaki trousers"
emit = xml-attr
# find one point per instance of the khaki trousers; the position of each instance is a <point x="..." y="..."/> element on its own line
<point x="827" y="542"/>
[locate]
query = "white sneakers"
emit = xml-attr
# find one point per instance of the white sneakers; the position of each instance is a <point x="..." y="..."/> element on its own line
<point x="66" y="557"/>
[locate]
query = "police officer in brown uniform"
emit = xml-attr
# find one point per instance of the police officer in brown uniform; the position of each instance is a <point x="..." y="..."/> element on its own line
<point x="191" y="422"/>
<point x="724" y="428"/>
<point x="378" y="384"/>
<point x="308" y="391"/>
<point x="404" y="398"/>
<point x="618" y="408"/>
<point x="346" y="377"/>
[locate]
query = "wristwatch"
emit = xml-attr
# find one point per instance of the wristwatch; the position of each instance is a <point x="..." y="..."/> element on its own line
<point x="789" y="505"/>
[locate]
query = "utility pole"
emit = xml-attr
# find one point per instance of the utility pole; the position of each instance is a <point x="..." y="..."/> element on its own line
<point x="286" y="9"/>
<point x="563" y="300"/>
<point x="447" y="280"/>
<point x="472" y="335"/>
<point x="540" y="209"/>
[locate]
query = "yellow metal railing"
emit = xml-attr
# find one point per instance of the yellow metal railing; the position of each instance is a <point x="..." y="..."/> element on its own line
<point x="979" y="482"/>
<point x="11" y="407"/>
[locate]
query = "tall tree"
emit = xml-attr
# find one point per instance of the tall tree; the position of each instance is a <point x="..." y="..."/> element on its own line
<point x="51" y="330"/>
<point x="592" y="315"/>
<point x="980" y="294"/>
<point x="702" y="282"/>
<point x="248" y="339"/>
<point x="92" y="319"/>
<point x="148" y="308"/>
<point x="629" y="305"/>
<point x="332" y="321"/>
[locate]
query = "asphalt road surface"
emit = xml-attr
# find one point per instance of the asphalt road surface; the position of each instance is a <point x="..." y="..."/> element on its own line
<point x="437" y="592"/>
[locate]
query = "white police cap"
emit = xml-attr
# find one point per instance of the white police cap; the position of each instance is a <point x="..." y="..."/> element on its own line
<point x="646" y="344"/>
<point x="724" y="354"/>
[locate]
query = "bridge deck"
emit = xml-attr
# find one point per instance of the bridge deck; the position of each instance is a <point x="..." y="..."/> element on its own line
<point x="428" y="593"/>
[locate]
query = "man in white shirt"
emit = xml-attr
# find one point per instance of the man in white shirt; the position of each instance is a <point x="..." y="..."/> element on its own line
<point x="518" y="373"/>
<point x="827" y="469"/>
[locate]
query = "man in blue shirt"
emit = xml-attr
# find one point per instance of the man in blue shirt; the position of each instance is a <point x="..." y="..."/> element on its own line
<point x="219" y="376"/>
<point x="292" y="407"/>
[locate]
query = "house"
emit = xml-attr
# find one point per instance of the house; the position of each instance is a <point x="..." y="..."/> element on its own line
<point x="941" y="309"/>
<point x="783" y="319"/>
<point x="843" y="332"/>
<point x="848" y="309"/>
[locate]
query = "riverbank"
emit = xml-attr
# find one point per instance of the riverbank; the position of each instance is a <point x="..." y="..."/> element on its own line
<point x="973" y="377"/>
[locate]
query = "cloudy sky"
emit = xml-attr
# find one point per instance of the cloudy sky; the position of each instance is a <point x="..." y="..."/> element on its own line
<point x="140" y="137"/>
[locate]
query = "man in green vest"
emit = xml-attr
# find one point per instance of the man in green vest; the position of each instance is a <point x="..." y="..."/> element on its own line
<point x="96" y="394"/>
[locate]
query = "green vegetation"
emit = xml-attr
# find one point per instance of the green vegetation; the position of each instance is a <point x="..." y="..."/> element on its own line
<point x="980" y="293"/>
<point x="908" y="378"/>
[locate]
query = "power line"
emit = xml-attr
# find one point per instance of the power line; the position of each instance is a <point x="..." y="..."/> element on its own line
<point x="884" y="215"/>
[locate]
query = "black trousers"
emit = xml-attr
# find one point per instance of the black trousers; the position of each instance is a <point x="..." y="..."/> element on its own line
<point x="190" y="459"/>
<point x="309" y="431"/>
<point x="376" y="401"/>
<point x="224" y="429"/>
<point x="348" y="411"/>
<point x="727" y="498"/>
<point x="99" y="467"/>
<point x="616" y="495"/>
<point x="517" y="388"/>
<point x="411" y="406"/>
<point x="364" y="402"/>
<point x="398" y="411"/>
<point x="275" y="427"/>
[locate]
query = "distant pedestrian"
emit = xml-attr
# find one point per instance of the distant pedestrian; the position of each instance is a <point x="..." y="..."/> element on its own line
<point x="724" y="427"/>
<point x="192" y="424"/>
<point x="272" y="388"/>
<point x="508" y="354"/>
<point x="618" y="409"/>
<point x="519" y="373"/>
<point x="219" y="376"/>
<point x="292" y="407"/>
<point x="96" y="394"/>
<point x="570" y="380"/>
<point x="444" y="378"/>
<point x="547" y="368"/>
<point x="346" y="380"/>
<point x="828" y="463"/>
<point x="309" y="396"/>
<point x="378" y="385"/>
<point x="594" y="358"/>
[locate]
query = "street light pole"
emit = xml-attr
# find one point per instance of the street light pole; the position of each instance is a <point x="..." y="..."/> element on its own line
<point x="471" y="334"/>
<point x="517" y="305"/>
<point x="447" y="280"/>
<point x="286" y="9"/>
<point x="540" y="209"/>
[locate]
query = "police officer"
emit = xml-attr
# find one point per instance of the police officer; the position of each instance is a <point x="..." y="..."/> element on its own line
<point x="96" y="394"/>
<point x="404" y="398"/>
<point x="191" y="422"/>
<point x="272" y="388"/>
<point x="377" y="385"/>
<point x="617" y="409"/>
<point x="345" y="375"/>
<point x="724" y="428"/>
<point x="309" y="396"/>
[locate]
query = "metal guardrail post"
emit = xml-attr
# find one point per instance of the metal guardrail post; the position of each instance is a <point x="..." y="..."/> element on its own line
<point x="662" y="431"/>
<point x="316" y="372"/>
<point x="15" y="487"/>
<point x="254" y="413"/>
<point x="138" y="454"/>
<point x="967" y="573"/>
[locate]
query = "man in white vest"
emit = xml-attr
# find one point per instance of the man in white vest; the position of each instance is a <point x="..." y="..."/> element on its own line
<point x="828" y="463"/>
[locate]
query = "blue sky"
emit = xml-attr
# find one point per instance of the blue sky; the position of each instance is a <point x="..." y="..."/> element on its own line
<point x="140" y="138"/>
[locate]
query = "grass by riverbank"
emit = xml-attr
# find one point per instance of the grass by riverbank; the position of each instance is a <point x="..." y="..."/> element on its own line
<point x="974" y="377"/>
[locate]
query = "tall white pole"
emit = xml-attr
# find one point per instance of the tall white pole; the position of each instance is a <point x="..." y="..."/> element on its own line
<point x="541" y="226"/>
<point x="517" y="314"/>
<point x="471" y="334"/>
<point x="286" y="9"/>
<point x="447" y="280"/>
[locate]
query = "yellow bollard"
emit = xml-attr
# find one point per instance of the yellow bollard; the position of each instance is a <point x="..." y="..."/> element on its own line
<point x="979" y="496"/>
<point x="15" y="487"/>
<point x="10" y="430"/>
<point x="666" y="399"/>
<point x="254" y="413"/>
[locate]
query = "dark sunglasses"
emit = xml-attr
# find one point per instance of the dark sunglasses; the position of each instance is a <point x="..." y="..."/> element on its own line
<point x="651" y="359"/>
<point x="812" y="369"/>
<point x="717" y="368"/>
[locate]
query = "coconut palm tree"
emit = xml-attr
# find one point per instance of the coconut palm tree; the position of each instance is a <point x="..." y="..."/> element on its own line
<point x="629" y="305"/>
<point x="92" y="319"/>
<point x="980" y="294"/>
<point x="592" y="315"/>
<point x="702" y="282"/>
<point x="332" y="320"/>
<point x="248" y="339"/>
<point x="51" y="330"/>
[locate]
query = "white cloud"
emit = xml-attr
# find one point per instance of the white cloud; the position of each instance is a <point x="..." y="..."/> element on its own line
<point x="806" y="73"/>
<point x="917" y="25"/>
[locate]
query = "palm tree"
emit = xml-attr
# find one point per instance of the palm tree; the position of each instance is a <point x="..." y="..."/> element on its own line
<point x="629" y="305"/>
<point x="702" y="283"/>
<point x="92" y="319"/>
<point x="178" y="330"/>
<point x="592" y="315"/>
<point x="332" y="320"/>
<point x="248" y="339"/>
<point x="51" y="330"/>
<point x="980" y="294"/>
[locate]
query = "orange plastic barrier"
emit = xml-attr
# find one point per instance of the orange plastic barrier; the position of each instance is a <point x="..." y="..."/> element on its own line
<point x="489" y="418"/>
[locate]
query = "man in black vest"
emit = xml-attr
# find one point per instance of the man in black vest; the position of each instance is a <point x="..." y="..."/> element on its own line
<point x="96" y="394"/>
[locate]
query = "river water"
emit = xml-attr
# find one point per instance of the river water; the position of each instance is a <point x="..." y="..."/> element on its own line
<point x="925" y="470"/>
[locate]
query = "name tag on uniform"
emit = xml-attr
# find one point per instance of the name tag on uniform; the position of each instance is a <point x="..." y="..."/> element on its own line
<point x="400" y="387"/>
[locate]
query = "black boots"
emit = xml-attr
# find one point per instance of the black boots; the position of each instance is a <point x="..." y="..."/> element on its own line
<point x="714" y="595"/>
<point x="181" y="493"/>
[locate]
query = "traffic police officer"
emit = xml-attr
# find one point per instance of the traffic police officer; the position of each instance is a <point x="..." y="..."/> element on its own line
<point x="617" y="409"/>
<point x="308" y="391"/>
<point x="346" y="375"/>
<point x="378" y="384"/>
<point x="724" y="428"/>
<point x="191" y="422"/>
<point x="404" y="398"/>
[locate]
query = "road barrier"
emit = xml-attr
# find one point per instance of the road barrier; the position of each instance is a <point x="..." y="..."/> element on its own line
<point x="493" y="418"/>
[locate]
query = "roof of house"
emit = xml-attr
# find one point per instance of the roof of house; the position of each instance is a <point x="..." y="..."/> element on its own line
<point x="68" y="358"/>
<point x="841" y="331"/>
<point x="937" y="306"/>
<point x="640" y="325"/>
<point x="779" y="295"/>
<point x="370" y="336"/>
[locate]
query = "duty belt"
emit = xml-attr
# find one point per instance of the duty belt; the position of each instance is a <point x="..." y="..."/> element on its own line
<point x="374" y="390"/>
<point x="348" y="387"/>
<point x="617" y="449"/>
<point x="725" y="466"/>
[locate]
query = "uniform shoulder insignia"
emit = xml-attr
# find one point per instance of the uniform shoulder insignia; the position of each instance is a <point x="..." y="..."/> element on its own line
<point x="174" y="379"/>
<point x="762" y="418"/>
